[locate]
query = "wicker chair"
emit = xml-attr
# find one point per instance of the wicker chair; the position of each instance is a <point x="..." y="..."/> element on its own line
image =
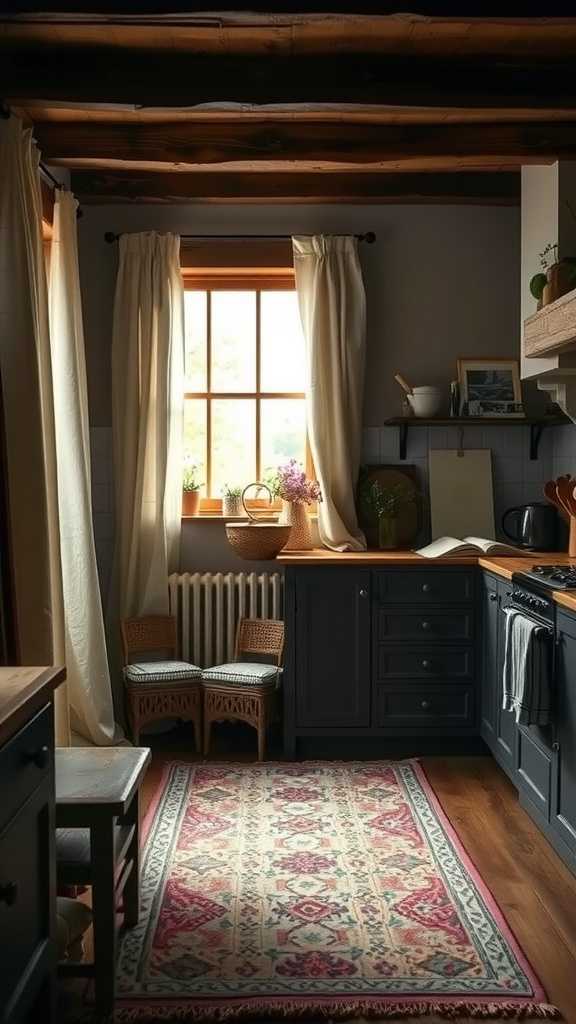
<point x="159" y="689"/>
<point x="245" y="690"/>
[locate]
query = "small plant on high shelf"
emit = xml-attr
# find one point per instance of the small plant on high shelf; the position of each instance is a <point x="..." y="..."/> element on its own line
<point x="556" y="277"/>
<point x="190" y="488"/>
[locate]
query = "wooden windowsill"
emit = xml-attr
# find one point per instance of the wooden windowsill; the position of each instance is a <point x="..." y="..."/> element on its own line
<point x="217" y="517"/>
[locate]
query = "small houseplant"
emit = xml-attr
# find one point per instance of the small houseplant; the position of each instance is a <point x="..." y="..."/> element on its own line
<point x="231" y="501"/>
<point x="190" y="489"/>
<point x="555" y="278"/>
<point x="291" y="484"/>
<point x="386" y="505"/>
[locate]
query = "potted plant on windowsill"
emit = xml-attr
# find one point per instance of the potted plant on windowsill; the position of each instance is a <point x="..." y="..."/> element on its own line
<point x="291" y="484"/>
<point x="386" y="504"/>
<point x="232" y="501"/>
<point x="190" y="489"/>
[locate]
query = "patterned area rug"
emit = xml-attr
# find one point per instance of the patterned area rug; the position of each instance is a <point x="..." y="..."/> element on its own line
<point x="331" y="890"/>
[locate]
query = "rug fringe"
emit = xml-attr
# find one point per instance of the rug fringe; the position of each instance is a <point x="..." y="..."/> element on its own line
<point x="359" y="1011"/>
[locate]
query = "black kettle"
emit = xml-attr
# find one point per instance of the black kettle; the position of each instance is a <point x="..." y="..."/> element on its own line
<point x="533" y="526"/>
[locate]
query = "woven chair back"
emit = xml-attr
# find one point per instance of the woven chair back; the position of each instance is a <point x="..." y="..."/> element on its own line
<point x="151" y="634"/>
<point x="261" y="637"/>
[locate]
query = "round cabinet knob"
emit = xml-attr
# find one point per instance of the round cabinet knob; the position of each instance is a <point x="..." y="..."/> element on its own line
<point x="493" y="597"/>
<point x="426" y="588"/>
<point x="39" y="757"/>
<point x="426" y="665"/>
<point x="425" y="626"/>
<point x="8" y="893"/>
<point x="425" y="705"/>
<point x="555" y="746"/>
<point x="363" y="593"/>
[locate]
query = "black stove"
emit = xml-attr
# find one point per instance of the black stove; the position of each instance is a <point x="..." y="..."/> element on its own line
<point x="548" y="577"/>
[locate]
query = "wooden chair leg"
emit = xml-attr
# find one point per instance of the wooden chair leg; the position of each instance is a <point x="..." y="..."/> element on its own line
<point x="131" y="895"/>
<point x="207" y="732"/>
<point x="198" y="732"/>
<point x="261" y="726"/>
<point x="135" y="719"/>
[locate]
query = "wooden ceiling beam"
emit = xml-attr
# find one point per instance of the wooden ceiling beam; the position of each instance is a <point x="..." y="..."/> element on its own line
<point x="304" y="187"/>
<point x="221" y="143"/>
<point x="182" y="80"/>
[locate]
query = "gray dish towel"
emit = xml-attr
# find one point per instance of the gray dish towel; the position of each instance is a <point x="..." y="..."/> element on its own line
<point x="526" y="677"/>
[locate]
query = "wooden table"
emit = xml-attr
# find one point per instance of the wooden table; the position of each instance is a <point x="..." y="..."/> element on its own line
<point x="97" y="789"/>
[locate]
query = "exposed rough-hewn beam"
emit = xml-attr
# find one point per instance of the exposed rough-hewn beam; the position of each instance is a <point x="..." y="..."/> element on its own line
<point x="295" y="187"/>
<point x="219" y="143"/>
<point x="181" y="80"/>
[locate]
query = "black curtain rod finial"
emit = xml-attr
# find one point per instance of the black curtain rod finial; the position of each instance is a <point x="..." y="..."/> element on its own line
<point x="110" y="237"/>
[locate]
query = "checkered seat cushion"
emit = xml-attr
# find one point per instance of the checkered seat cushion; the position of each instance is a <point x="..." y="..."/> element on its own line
<point x="145" y="673"/>
<point x="241" y="673"/>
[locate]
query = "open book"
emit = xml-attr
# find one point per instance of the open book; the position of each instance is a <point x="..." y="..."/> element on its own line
<point x="451" y="546"/>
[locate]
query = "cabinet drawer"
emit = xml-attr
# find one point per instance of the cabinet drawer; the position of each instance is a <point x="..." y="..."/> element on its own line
<point x="424" y="662"/>
<point x="24" y="762"/>
<point x="424" y="586"/>
<point x="423" y="707"/>
<point x="428" y="624"/>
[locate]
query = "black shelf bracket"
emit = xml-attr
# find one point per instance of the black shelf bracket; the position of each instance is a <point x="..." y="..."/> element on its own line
<point x="403" y="440"/>
<point x="536" y="430"/>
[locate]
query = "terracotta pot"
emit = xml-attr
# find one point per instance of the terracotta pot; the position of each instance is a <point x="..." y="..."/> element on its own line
<point x="190" y="503"/>
<point x="294" y="514"/>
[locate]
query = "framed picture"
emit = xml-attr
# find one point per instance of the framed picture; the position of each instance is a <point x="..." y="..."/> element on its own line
<point x="490" y="387"/>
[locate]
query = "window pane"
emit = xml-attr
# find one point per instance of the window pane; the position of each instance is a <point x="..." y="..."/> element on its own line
<point x="283" y="432"/>
<point x="282" y="343"/>
<point x="233" y="443"/>
<point x="195" y="326"/>
<point x="195" y="436"/>
<point x="233" y="341"/>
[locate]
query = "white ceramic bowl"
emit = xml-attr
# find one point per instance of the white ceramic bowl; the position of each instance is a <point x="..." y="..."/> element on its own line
<point x="426" y="402"/>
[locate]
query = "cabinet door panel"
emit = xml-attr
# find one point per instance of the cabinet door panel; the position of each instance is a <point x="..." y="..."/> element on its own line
<point x="332" y="640"/>
<point x="563" y="814"/>
<point x="490" y="611"/>
<point x="506" y="749"/>
<point x="534" y="770"/>
<point x="423" y="707"/>
<point x="26" y="880"/>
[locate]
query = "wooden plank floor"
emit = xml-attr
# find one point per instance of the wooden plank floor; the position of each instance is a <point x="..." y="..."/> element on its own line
<point x="536" y="893"/>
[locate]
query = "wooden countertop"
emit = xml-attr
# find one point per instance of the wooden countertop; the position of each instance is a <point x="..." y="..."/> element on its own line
<point x="503" y="567"/>
<point x="23" y="690"/>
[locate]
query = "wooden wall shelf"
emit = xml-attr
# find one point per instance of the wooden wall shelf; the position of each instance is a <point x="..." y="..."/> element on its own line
<point x="536" y="425"/>
<point x="552" y="329"/>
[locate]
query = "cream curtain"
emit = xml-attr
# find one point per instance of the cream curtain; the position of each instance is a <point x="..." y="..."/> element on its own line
<point x="29" y="415"/>
<point x="333" y="312"/>
<point x="89" y="690"/>
<point x="147" y="409"/>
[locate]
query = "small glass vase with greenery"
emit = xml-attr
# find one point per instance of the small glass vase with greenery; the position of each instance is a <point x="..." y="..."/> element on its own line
<point x="385" y="504"/>
<point x="190" y="489"/>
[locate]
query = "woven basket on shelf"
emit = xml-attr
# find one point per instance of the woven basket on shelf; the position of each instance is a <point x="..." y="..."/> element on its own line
<point x="258" y="538"/>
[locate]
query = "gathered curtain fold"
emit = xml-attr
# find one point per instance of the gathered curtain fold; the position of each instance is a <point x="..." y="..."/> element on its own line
<point x="147" y="413"/>
<point x="332" y="303"/>
<point x="89" y="689"/>
<point x="25" y="367"/>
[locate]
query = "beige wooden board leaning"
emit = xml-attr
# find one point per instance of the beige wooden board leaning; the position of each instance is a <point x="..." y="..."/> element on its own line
<point x="461" y="493"/>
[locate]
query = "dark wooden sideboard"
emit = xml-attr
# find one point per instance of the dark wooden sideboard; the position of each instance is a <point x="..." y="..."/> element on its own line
<point x="27" y="833"/>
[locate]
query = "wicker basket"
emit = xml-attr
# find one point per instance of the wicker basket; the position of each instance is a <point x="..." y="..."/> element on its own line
<point x="259" y="538"/>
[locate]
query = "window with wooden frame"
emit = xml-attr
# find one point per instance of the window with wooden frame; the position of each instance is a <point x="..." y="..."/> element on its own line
<point x="244" y="412"/>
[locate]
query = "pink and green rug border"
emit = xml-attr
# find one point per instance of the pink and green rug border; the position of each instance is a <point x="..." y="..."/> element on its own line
<point x="406" y="1008"/>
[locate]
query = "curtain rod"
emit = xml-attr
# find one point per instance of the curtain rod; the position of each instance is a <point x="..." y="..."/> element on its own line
<point x="369" y="237"/>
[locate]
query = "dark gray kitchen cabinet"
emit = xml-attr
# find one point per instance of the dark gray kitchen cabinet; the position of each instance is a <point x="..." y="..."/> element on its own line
<point x="331" y="635"/>
<point x="379" y="652"/>
<point x="563" y="805"/>
<point x="506" y="746"/>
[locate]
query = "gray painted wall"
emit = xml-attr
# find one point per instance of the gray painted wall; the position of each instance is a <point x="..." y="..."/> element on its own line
<point x="441" y="282"/>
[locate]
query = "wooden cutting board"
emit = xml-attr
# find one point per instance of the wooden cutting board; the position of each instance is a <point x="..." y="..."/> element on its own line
<point x="461" y="493"/>
<point x="409" y="521"/>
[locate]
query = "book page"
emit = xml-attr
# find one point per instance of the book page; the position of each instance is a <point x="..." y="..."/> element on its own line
<point x="447" y="546"/>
